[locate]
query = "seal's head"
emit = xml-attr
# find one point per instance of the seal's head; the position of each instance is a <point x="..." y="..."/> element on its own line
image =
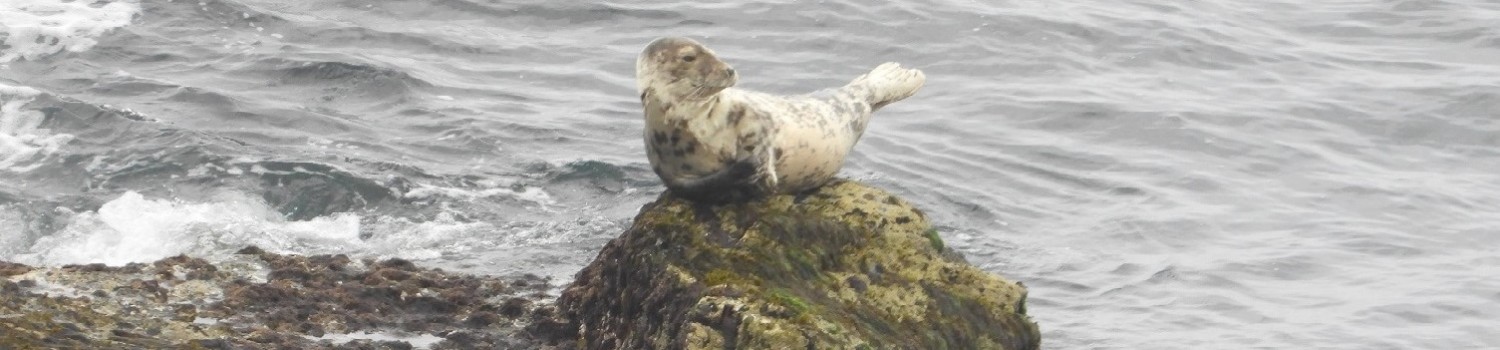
<point x="678" y="69"/>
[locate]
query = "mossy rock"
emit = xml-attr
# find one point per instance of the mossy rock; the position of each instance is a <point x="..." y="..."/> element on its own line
<point x="846" y="267"/>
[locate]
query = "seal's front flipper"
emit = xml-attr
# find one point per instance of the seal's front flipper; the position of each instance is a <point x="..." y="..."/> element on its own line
<point x="738" y="181"/>
<point x="770" y="163"/>
<point x="734" y="173"/>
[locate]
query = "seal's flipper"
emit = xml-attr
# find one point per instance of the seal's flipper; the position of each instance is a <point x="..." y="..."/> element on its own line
<point x="887" y="83"/>
<point x="737" y="181"/>
<point x="771" y="166"/>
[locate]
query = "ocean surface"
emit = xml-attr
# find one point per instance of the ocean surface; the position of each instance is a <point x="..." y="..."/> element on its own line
<point x="1213" y="174"/>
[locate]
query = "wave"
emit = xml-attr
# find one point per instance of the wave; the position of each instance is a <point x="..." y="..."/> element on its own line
<point x="134" y="227"/>
<point x="24" y="145"/>
<point x="32" y="29"/>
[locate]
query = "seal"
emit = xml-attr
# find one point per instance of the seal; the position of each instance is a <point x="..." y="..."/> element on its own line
<point x="711" y="142"/>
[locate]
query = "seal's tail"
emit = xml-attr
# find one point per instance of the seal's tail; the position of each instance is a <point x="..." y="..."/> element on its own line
<point x="887" y="83"/>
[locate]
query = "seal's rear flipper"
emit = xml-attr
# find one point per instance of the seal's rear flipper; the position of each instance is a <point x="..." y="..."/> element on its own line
<point x="887" y="83"/>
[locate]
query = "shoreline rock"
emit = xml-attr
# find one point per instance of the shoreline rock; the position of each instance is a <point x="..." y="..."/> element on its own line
<point x="265" y="300"/>
<point x="847" y="266"/>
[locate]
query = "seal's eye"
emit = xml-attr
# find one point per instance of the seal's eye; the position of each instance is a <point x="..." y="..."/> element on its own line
<point x="689" y="58"/>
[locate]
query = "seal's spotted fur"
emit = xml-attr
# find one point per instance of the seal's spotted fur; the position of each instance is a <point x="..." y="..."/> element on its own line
<point x="710" y="142"/>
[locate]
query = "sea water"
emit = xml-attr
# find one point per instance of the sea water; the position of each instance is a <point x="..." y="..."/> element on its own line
<point x="1163" y="175"/>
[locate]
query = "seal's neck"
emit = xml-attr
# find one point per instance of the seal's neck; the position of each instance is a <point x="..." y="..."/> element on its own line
<point x="705" y="104"/>
<point x="673" y="108"/>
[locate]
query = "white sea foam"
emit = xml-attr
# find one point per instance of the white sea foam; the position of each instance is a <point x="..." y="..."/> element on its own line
<point x="522" y="193"/>
<point x="23" y="143"/>
<point x="417" y="341"/>
<point x="32" y="29"/>
<point x="12" y="230"/>
<point x="135" y="228"/>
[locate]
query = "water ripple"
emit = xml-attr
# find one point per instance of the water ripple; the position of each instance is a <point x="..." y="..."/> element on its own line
<point x="1162" y="175"/>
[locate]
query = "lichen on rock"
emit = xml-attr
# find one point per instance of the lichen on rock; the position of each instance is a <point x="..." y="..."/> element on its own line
<point x="846" y="266"/>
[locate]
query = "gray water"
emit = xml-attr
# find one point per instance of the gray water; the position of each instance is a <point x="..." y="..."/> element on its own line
<point x="1163" y="175"/>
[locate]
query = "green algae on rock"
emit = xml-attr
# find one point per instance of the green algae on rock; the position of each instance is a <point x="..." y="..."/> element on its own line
<point x="848" y="266"/>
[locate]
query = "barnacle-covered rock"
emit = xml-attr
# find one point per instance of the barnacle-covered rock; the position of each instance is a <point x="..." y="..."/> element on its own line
<point x="846" y="266"/>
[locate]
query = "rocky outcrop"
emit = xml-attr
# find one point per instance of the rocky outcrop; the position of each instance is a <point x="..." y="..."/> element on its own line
<point x="846" y="267"/>
<point x="261" y="300"/>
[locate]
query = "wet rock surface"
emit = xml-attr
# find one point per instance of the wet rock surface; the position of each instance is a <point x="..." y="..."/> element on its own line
<point x="846" y="267"/>
<point x="261" y="300"/>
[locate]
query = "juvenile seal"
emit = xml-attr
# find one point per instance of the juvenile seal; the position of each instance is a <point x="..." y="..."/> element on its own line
<point x="711" y="142"/>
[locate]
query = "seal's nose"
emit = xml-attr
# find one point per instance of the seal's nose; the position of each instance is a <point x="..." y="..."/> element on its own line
<point x="731" y="71"/>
